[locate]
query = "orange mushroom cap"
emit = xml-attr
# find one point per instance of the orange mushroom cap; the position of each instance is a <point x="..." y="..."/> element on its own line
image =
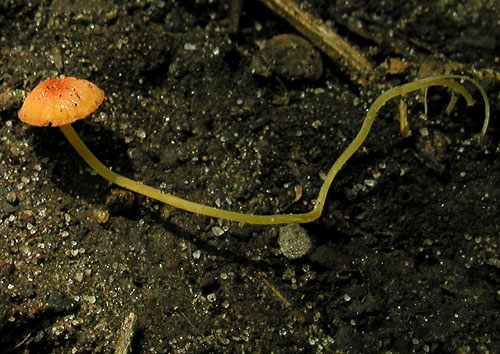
<point x="60" y="101"/>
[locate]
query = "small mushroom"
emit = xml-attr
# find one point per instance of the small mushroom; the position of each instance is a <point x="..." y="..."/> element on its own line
<point x="58" y="102"/>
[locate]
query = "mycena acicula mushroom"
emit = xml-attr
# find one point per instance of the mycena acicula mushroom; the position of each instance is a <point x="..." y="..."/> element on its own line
<point x="61" y="101"/>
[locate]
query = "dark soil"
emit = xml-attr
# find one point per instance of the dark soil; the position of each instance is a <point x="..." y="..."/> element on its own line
<point x="405" y="257"/>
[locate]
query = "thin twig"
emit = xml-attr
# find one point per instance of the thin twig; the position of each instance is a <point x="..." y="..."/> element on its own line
<point x="300" y="316"/>
<point x="126" y="333"/>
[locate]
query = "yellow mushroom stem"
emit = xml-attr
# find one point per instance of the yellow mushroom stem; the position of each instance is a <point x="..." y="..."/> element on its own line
<point x="113" y="177"/>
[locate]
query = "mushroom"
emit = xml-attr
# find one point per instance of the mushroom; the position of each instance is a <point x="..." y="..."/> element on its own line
<point x="60" y="102"/>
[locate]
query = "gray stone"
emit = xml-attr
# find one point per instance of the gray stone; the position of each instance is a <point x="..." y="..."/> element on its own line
<point x="294" y="241"/>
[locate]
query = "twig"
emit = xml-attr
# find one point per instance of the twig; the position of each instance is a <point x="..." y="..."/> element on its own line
<point x="126" y="334"/>
<point x="323" y="37"/>
<point x="196" y="330"/>
<point x="283" y="300"/>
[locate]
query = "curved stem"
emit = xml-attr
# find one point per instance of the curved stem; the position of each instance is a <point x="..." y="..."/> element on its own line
<point x="443" y="80"/>
<point x="170" y="199"/>
<point x="113" y="177"/>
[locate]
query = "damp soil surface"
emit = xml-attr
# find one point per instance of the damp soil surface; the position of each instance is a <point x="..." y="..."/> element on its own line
<point x="405" y="257"/>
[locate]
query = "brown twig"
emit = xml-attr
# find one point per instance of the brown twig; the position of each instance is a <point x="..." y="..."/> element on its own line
<point x="300" y="316"/>
<point x="126" y="333"/>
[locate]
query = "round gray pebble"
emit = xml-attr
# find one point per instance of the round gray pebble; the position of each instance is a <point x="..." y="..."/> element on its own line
<point x="289" y="57"/>
<point x="294" y="241"/>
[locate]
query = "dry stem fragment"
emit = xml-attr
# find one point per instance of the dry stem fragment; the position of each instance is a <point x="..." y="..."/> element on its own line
<point x="126" y="334"/>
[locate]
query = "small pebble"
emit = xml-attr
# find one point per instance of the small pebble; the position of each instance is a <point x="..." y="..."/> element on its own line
<point x="217" y="231"/>
<point x="11" y="197"/>
<point x="101" y="215"/>
<point x="294" y="241"/>
<point x="289" y="57"/>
